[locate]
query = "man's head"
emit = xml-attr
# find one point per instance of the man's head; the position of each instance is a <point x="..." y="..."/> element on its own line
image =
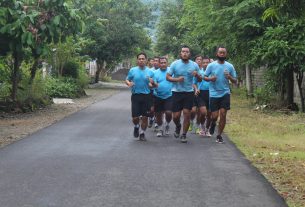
<point x="185" y="53"/>
<point x="150" y="62"/>
<point x="156" y="62"/>
<point x="198" y="60"/>
<point x="163" y="63"/>
<point x="205" y="62"/>
<point x="141" y="59"/>
<point x="221" y="53"/>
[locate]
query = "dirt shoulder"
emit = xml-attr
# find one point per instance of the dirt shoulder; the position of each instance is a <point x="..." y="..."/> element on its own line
<point x="14" y="127"/>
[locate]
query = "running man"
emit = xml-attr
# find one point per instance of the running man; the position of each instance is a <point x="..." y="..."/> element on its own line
<point x="140" y="80"/>
<point x="150" y="63"/>
<point x="202" y="98"/>
<point x="162" y="98"/>
<point x="219" y="73"/>
<point x="181" y="73"/>
<point x="151" y="119"/>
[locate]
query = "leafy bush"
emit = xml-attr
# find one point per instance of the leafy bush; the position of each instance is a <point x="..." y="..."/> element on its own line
<point x="5" y="86"/>
<point x="83" y="78"/>
<point x="263" y="95"/>
<point x="63" y="88"/>
<point x="71" y="69"/>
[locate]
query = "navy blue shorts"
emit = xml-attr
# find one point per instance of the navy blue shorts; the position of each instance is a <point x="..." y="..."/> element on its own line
<point x="140" y="105"/>
<point x="203" y="99"/>
<point x="182" y="100"/>
<point x="162" y="105"/>
<point x="221" y="102"/>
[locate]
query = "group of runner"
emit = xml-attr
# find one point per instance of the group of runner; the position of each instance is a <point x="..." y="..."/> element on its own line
<point x="198" y="88"/>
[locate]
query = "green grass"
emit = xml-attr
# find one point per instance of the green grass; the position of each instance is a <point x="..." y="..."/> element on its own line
<point x="274" y="142"/>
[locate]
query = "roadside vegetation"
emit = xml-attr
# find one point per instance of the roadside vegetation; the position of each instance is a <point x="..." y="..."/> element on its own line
<point x="44" y="46"/>
<point x="274" y="141"/>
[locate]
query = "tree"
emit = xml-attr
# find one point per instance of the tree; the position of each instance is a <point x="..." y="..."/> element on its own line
<point x="282" y="46"/>
<point x="169" y="35"/>
<point x="116" y="31"/>
<point x="34" y="24"/>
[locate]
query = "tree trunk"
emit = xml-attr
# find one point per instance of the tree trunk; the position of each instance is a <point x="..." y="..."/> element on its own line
<point x="249" y="81"/>
<point x="15" y="76"/>
<point x="289" y="87"/>
<point x="99" y="65"/>
<point x="34" y="69"/>
<point x="300" y="76"/>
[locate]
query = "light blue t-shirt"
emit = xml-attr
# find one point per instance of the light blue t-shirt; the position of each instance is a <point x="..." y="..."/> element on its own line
<point x="203" y="85"/>
<point x="164" y="89"/>
<point x="140" y="78"/>
<point x="178" y="69"/>
<point x="220" y="87"/>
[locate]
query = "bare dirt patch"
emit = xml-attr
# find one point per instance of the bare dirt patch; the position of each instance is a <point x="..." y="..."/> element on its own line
<point x="14" y="127"/>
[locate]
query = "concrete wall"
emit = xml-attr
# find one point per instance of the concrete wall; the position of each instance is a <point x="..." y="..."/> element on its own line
<point x="257" y="79"/>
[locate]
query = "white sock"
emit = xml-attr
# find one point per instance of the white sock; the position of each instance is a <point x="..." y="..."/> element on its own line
<point x="137" y="125"/>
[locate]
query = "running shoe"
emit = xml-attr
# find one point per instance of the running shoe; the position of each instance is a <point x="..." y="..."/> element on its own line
<point x="202" y="132"/>
<point x="212" y="128"/>
<point x="136" y="132"/>
<point x="197" y="131"/>
<point x="156" y="127"/>
<point x="183" y="138"/>
<point x="219" y="139"/>
<point x="150" y="122"/>
<point x="142" y="137"/>
<point x="160" y="133"/>
<point x="190" y="127"/>
<point x="208" y="134"/>
<point x="167" y="130"/>
<point x="177" y="131"/>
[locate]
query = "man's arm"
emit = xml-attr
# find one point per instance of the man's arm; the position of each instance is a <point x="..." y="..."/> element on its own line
<point x="228" y="75"/>
<point x="213" y="78"/>
<point x="172" y="79"/>
<point x="129" y="83"/>
<point x="196" y="90"/>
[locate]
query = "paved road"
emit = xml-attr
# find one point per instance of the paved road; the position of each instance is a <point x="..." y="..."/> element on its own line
<point x="91" y="159"/>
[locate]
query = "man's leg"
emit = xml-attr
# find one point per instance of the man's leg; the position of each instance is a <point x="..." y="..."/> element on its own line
<point x="159" y="121"/>
<point x="214" y="118"/>
<point x="192" y="117"/>
<point x="176" y="119"/>
<point x="224" y="107"/>
<point x="186" y="120"/>
<point x="136" y="122"/>
<point x="222" y="120"/>
<point x="168" y="114"/>
<point x="202" y="112"/>
<point x="208" y="123"/>
<point x="135" y="111"/>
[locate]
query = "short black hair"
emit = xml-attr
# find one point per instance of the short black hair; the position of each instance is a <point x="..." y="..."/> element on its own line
<point x="220" y="46"/>
<point x="156" y="57"/>
<point x="184" y="46"/>
<point x="197" y="56"/>
<point x="149" y="59"/>
<point x="205" y="58"/>
<point x="162" y="58"/>
<point x="142" y="53"/>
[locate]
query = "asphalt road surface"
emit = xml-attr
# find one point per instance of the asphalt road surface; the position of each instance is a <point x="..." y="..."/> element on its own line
<point x="91" y="159"/>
